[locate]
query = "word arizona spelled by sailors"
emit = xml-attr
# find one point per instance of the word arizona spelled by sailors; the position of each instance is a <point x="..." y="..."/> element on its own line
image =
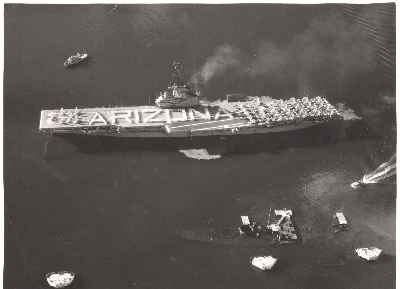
<point x="275" y="112"/>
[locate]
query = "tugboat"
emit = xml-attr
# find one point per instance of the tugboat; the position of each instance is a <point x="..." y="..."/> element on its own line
<point x="178" y="94"/>
<point x="75" y="59"/>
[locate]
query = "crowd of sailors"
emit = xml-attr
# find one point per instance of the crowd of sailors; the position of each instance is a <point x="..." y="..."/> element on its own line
<point x="274" y="112"/>
<point x="287" y="111"/>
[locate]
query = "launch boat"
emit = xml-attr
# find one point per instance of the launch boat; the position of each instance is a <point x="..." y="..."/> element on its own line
<point x="180" y="114"/>
<point x="75" y="59"/>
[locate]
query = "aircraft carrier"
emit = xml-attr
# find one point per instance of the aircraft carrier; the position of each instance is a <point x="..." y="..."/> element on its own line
<point x="180" y="114"/>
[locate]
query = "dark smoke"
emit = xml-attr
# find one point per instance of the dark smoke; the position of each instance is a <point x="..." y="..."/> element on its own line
<point x="224" y="57"/>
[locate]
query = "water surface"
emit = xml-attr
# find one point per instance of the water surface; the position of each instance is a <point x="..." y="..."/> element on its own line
<point x="117" y="218"/>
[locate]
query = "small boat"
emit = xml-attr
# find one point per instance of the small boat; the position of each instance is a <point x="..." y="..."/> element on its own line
<point x="75" y="59"/>
<point x="340" y="222"/>
<point x="60" y="279"/>
<point x="250" y="228"/>
<point x="369" y="254"/>
<point x="263" y="263"/>
<point x="282" y="227"/>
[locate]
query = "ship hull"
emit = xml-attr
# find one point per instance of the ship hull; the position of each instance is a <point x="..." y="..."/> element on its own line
<point x="116" y="128"/>
<point x="227" y="141"/>
<point x="188" y="129"/>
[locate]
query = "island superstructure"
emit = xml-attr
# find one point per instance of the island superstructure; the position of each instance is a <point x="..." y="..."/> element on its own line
<point x="179" y="113"/>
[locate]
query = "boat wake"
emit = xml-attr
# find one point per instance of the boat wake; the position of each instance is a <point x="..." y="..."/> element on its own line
<point x="346" y="112"/>
<point x="384" y="171"/>
<point x="199" y="154"/>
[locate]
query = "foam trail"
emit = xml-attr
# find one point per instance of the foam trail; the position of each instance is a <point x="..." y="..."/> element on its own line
<point x="346" y="112"/>
<point x="199" y="154"/>
<point x="384" y="171"/>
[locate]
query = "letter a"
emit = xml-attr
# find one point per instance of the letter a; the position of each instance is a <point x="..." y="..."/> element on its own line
<point x="97" y="117"/>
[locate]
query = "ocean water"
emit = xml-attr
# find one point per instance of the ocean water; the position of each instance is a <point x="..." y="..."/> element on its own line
<point x="143" y="218"/>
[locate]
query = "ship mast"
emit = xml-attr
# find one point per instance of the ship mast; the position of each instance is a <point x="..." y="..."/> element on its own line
<point x="177" y="74"/>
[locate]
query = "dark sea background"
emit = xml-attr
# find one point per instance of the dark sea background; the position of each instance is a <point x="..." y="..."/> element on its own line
<point x="143" y="218"/>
